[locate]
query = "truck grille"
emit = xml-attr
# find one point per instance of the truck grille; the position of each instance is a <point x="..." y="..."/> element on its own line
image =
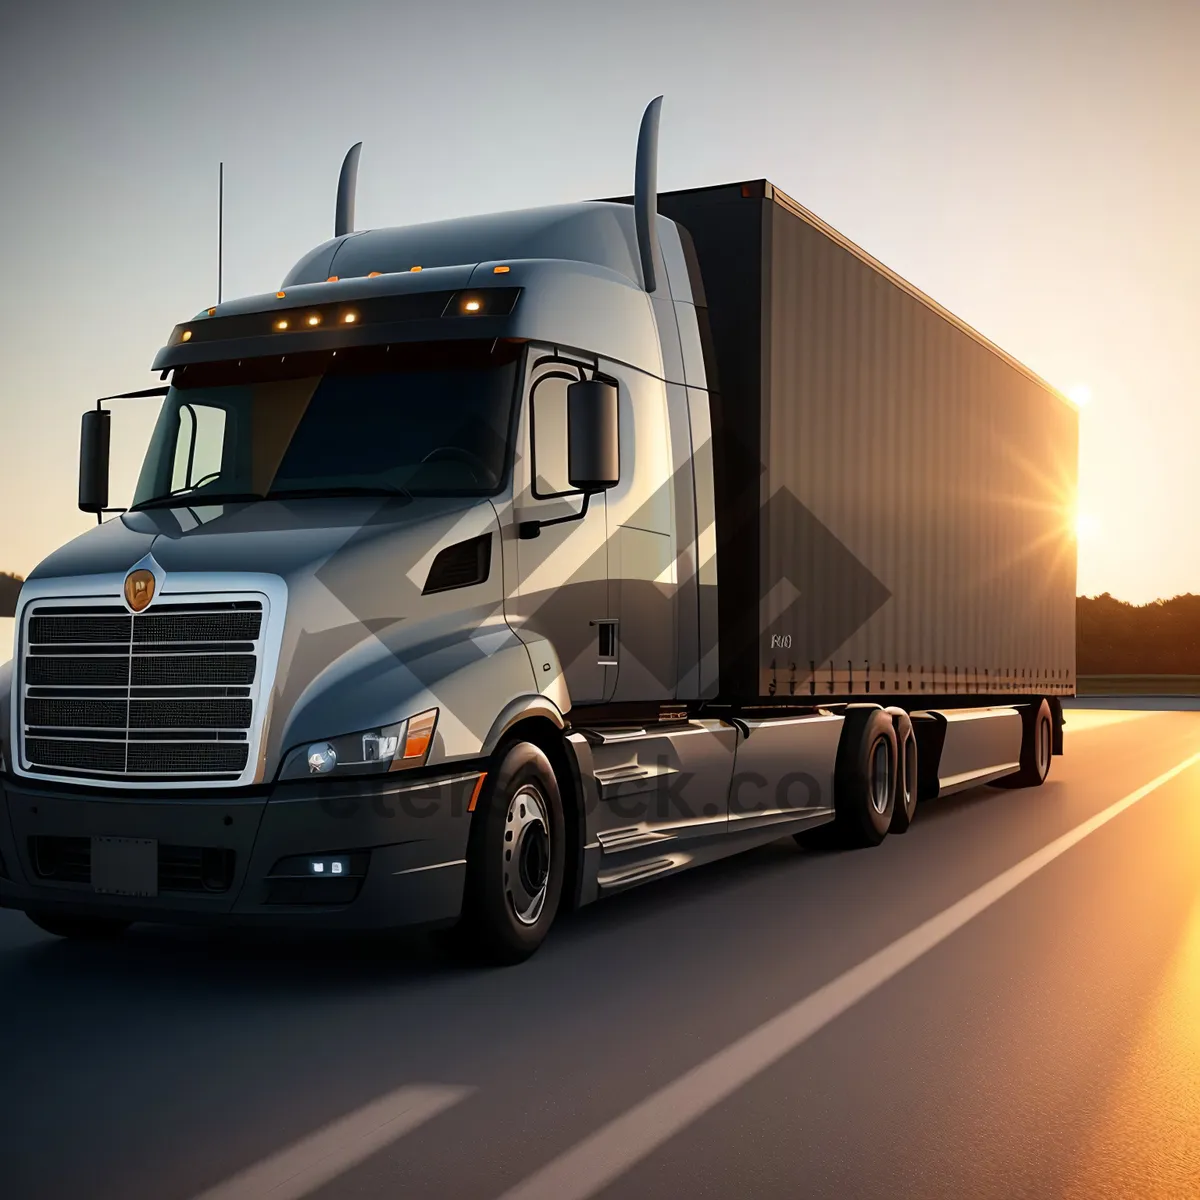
<point x="165" y="695"/>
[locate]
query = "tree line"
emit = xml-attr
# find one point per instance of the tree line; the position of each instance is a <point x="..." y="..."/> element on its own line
<point x="1116" y="638"/>
<point x="10" y="585"/>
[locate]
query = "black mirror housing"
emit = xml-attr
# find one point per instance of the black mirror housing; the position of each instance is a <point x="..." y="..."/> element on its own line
<point x="94" y="435"/>
<point x="593" y="440"/>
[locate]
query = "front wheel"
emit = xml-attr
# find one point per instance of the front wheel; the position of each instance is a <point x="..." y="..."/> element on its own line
<point x="516" y="857"/>
<point x="84" y="929"/>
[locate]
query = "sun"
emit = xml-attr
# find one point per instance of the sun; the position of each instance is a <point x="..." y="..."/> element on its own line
<point x="1087" y="528"/>
<point x="1079" y="394"/>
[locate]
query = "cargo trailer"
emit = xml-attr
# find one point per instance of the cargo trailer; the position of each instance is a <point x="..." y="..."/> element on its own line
<point x="491" y="566"/>
<point x="894" y="493"/>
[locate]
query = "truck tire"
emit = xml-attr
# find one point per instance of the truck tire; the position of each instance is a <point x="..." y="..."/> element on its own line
<point x="516" y="857"/>
<point x="864" y="778"/>
<point x="1037" y="745"/>
<point x="90" y="929"/>
<point x="906" y="771"/>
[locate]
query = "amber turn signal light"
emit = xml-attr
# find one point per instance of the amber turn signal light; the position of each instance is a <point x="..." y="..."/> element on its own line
<point x="419" y="736"/>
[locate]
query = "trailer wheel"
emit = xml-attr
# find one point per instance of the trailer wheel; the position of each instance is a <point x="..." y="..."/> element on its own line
<point x="516" y="857"/>
<point x="80" y="929"/>
<point x="864" y="778"/>
<point x="906" y="771"/>
<point x="1037" y="745"/>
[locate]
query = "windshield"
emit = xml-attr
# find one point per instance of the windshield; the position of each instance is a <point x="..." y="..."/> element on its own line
<point x="410" y="420"/>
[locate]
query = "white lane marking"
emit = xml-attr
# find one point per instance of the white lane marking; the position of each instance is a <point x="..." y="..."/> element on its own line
<point x="315" y="1160"/>
<point x="595" y="1162"/>
<point x="1081" y="719"/>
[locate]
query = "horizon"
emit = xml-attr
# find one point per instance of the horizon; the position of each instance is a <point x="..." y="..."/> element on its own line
<point x="1031" y="170"/>
<point x="1079" y="596"/>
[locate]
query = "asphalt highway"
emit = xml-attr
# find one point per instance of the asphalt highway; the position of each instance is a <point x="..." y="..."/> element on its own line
<point x="1005" y="1002"/>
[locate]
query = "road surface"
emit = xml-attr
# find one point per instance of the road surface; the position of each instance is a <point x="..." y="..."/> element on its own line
<point x="982" y="1008"/>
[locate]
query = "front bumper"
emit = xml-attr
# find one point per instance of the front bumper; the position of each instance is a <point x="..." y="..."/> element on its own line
<point x="218" y="854"/>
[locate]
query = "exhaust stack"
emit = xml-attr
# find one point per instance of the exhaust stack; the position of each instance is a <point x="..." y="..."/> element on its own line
<point x="645" y="192"/>
<point x="343" y="218"/>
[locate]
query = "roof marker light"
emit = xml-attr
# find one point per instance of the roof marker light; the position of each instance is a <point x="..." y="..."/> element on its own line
<point x="212" y="312"/>
<point x="280" y="295"/>
<point x="416" y="268"/>
<point x="501" y="270"/>
<point x="332" y="279"/>
<point x="373" y="274"/>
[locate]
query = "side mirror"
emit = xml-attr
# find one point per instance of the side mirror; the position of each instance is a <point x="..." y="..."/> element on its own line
<point x="95" y="431"/>
<point x="593" y="441"/>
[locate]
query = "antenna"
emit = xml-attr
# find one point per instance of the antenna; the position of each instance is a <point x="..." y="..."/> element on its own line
<point x="220" y="225"/>
<point x="645" y="192"/>
<point x="343" y="217"/>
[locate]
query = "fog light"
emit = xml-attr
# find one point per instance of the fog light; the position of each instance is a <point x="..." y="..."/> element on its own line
<point x="322" y="758"/>
<point x="320" y="879"/>
<point x="329" y="866"/>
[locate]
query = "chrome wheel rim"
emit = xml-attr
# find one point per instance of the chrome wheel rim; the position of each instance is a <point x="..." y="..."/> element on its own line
<point x="881" y="776"/>
<point x="526" y="854"/>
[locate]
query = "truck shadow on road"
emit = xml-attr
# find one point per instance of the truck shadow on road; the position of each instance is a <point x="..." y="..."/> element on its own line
<point x="233" y="962"/>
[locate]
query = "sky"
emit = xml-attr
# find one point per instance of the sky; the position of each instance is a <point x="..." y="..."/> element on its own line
<point x="1032" y="166"/>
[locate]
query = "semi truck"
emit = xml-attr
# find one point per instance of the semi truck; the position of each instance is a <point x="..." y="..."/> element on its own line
<point x="495" y="565"/>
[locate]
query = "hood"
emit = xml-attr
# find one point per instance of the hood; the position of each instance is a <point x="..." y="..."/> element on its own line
<point x="354" y="570"/>
<point x="278" y="537"/>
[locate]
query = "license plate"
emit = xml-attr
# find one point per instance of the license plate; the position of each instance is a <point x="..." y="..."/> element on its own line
<point x="125" y="866"/>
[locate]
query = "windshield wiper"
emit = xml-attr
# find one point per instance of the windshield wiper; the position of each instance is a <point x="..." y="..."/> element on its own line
<point x="379" y="489"/>
<point x="195" y="500"/>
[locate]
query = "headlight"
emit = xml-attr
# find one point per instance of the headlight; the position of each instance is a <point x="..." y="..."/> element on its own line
<point x="371" y="752"/>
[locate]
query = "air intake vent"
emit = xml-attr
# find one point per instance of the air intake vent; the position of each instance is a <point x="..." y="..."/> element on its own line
<point x="180" y="868"/>
<point x="462" y="565"/>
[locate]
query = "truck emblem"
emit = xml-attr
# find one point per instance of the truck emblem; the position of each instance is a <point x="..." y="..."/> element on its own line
<point x="139" y="589"/>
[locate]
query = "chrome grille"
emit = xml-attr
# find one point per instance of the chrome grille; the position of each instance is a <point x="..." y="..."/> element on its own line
<point x="166" y="695"/>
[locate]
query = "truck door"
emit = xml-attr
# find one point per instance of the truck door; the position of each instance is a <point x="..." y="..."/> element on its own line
<point x="642" y="543"/>
<point x="561" y="589"/>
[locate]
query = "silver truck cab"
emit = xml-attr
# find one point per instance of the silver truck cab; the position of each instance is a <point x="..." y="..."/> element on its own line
<point x="355" y="564"/>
